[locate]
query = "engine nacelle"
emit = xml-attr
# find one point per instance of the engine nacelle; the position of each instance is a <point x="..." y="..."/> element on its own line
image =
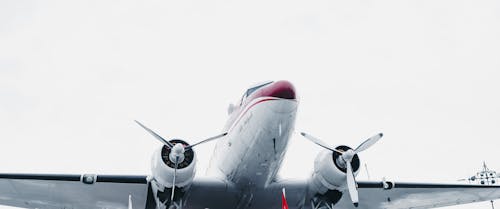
<point x="163" y="169"/>
<point x="330" y="171"/>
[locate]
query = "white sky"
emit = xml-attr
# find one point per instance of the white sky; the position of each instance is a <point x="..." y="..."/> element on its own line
<point x="75" y="74"/>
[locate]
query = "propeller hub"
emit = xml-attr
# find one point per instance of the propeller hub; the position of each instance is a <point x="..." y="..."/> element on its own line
<point x="348" y="155"/>
<point x="177" y="153"/>
<point x="340" y="159"/>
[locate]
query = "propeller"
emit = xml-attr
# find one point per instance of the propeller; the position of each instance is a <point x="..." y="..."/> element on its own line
<point x="347" y="157"/>
<point x="177" y="151"/>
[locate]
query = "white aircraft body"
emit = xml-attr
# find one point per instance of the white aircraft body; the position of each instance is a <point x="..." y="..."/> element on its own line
<point x="242" y="172"/>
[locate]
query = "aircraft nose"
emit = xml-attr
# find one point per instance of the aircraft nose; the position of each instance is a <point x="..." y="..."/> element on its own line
<point x="281" y="89"/>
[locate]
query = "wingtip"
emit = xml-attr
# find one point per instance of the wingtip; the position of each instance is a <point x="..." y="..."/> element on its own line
<point x="302" y="133"/>
<point x="355" y="204"/>
<point x="381" y="134"/>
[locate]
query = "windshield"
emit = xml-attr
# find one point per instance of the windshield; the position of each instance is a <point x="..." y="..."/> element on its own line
<point x="253" y="89"/>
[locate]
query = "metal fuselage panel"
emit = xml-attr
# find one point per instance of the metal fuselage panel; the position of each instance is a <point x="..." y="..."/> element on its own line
<point x="251" y="154"/>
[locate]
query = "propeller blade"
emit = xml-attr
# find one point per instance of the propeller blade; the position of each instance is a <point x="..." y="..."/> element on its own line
<point x="173" y="182"/>
<point x="320" y="143"/>
<point x="161" y="139"/>
<point x="351" y="185"/>
<point x="206" y="140"/>
<point x="368" y="143"/>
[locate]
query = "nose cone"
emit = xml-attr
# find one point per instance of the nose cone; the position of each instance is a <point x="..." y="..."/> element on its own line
<point x="281" y="89"/>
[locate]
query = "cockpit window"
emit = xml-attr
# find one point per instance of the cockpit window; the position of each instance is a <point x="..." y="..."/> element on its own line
<point x="253" y="89"/>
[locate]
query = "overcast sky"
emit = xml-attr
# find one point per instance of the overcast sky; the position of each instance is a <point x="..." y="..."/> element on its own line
<point x="75" y="74"/>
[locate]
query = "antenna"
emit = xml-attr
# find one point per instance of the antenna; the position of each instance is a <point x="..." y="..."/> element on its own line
<point x="492" y="206"/>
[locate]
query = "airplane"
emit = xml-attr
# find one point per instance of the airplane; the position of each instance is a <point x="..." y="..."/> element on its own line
<point x="242" y="173"/>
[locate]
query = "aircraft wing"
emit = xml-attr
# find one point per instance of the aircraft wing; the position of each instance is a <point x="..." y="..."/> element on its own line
<point x="113" y="191"/>
<point x="101" y="191"/>
<point x="418" y="195"/>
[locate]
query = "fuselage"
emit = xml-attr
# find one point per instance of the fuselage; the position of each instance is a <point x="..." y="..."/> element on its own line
<point x="258" y="132"/>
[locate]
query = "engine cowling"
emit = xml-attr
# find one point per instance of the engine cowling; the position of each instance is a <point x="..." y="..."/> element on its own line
<point x="330" y="171"/>
<point x="163" y="170"/>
